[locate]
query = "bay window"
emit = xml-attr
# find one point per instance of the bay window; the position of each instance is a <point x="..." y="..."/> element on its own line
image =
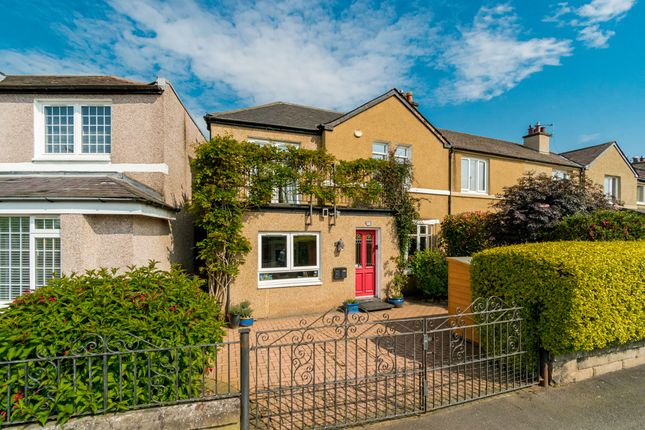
<point x="68" y="129"/>
<point x="29" y="254"/>
<point x="474" y="175"/>
<point x="288" y="259"/>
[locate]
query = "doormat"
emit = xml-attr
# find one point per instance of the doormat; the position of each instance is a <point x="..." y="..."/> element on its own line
<point x="374" y="305"/>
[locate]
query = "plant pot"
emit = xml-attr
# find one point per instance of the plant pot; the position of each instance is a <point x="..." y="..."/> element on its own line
<point x="397" y="302"/>
<point x="351" y="308"/>
<point x="234" y="321"/>
<point x="246" y="322"/>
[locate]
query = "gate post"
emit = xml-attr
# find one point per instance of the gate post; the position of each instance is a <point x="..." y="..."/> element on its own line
<point x="544" y="367"/>
<point x="244" y="378"/>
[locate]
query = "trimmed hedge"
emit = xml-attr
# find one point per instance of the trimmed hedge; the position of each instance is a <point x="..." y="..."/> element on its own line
<point x="602" y="225"/>
<point x="466" y="233"/>
<point x="63" y="319"/>
<point x="430" y="270"/>
<point x="578" y="296"/>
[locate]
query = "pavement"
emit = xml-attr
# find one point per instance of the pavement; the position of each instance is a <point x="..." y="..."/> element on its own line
<point x="613" y="401"/>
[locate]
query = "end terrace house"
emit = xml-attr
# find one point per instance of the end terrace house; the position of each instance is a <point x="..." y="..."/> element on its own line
<point x="94" y="171"/>
<point x="453" y="172"/>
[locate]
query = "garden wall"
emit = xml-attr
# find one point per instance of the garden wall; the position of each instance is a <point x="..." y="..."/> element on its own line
<point x="215" y="414"/>
<point x="579" y="366"/>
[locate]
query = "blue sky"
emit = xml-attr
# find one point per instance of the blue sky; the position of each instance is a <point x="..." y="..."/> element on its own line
<point x="487" y="68"/>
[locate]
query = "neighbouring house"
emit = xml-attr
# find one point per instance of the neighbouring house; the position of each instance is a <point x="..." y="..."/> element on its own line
<point x="607" y="165"/>
<point x="639" y="165"/>
<point x="94" y="171"/>
<point x="453" y="172"/>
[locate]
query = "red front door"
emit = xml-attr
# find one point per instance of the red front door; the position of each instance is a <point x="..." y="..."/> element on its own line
<point x="365" y="261"/>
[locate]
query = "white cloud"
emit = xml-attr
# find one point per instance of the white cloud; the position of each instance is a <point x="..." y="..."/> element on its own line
<point x="589" y="17"/>
<point x="586" y="138"/>
<point x="489" y="58"/>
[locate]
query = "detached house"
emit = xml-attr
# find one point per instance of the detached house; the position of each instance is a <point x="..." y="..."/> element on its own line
<point x="94" y="171"/>
<point x="453" y="172"/>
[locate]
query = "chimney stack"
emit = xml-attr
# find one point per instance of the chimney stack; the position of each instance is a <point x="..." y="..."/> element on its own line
<point x="537" y="138"/>
<point x="408" y="97"/>
<point x="639" y="162"/>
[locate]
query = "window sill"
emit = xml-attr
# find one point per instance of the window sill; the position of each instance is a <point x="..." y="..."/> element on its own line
<point x="72" y="158"/>
<point x="289" y="283"/>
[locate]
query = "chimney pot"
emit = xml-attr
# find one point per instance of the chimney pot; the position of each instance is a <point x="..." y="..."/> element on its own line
<point x="636" y="159"/>
<point x="537" y="138"/>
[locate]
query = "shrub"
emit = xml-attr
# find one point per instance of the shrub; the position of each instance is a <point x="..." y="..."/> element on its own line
<point x="531" y="208"/>
<point x="577" y="296"/>
<point x="466" y="233"/>
<point x="81" y="313"/>
<point x="602" y="225"/>
<point x="430" y="270"/>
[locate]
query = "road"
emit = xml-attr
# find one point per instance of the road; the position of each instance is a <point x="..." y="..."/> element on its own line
<point x="612" y="401"/>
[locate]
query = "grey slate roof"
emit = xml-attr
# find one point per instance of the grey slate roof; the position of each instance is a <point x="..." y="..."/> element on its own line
<point x="76" y="188"/>
<point x="74" y="84"/>
<point x="278" y="114"/>
<point x="641" y="173"/>
<point x="585" y="156"/>
<point x="504" y="148"/>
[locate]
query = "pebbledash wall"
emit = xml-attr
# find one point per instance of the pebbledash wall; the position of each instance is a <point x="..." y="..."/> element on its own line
<point x="579" y="366"/>
<point x="328" y="293"/>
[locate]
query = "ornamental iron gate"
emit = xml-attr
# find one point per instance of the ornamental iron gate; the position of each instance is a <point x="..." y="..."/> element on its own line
<point x="345" y="369"/>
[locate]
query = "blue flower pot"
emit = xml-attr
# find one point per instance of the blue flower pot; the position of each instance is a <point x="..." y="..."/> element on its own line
<point x="396" y="302"/>
<point x="246" y="322"/>
<point x="351" y="308"/>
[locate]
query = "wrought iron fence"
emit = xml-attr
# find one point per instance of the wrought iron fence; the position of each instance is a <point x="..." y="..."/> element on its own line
<point x="102" y="374"/>
<point x="347" y="369"/>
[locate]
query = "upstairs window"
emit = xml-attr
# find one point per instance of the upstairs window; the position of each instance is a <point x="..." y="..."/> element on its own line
<point x="287" y="193"/>
<point x="612" y="187"/>
<point x="403" y="154"/>
<point x="380" y="150"/>
<point x="70" y="129"/>
<point x="474" y="175"/>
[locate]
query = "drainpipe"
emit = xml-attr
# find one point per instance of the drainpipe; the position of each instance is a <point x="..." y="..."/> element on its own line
<point x="450" y="157"/>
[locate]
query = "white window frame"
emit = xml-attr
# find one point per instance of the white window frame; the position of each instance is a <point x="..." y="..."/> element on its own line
<point x="381" y="155"/>
<point x="640" y="188"/>
<point x="430" y="235"/>
<point x="408" y="158"/>
<point x="479" y="189"/>
<point x="290" y="191"/>
<point x="560" y="174"/>
<point x="40" y="153"/>
<point x="290" y="264"/>
<point x="611" y="181"/>
<point x="34" y="234"/>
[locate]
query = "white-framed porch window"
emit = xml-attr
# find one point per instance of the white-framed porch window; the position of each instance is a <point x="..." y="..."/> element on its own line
<point x="474" y="175"/>
<point x="424" y="237"/>
<point x="612" y="187"/>
<point x="289" y="192"/>
<point x="30" y="254"/>
<point x="70" y="129"/>
<point x="288" y="259"/>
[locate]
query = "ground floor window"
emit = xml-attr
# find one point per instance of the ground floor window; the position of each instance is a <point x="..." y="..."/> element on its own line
<point x="424" y="238"/>
<point x="29" y="254"/>
<point x="288" y="259"/>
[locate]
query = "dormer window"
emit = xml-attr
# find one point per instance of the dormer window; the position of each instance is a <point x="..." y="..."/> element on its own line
<point x="71" y="129"/>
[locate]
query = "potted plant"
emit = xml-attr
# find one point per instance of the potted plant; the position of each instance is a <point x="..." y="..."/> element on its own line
<point x="246" y="314"/>
<point x="234" y="316"/>
<point x="395" y="288"/>
<point x="351" y="306"/>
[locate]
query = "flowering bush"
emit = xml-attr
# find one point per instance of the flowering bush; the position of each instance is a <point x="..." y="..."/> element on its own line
<point x="602" y="225"/>
<point x="56" y="326"/>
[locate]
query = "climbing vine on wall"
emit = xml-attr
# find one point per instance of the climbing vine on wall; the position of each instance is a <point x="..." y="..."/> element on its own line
<point x="232" y="177"/>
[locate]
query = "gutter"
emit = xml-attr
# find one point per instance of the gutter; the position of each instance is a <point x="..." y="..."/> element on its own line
<point x="213" y="120"/>
<point x="81" y="89"/>
<point x="91" y="199"/>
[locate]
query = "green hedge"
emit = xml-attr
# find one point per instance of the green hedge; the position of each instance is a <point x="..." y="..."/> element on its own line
<point x="155" y="308"/>
<point x="466" y="233"/>
<point x="602" y="225"/>
<point x="430" y="271"/>
<point x="578" y="296"/>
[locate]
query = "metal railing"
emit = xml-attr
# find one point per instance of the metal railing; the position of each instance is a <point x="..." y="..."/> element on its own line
<point x="102" y="374"/>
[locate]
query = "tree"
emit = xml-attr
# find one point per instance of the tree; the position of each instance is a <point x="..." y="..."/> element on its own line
<point x="529" y="210"/>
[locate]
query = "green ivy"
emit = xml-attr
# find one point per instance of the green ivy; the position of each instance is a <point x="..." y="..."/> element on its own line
<point x="233" y="177"/>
